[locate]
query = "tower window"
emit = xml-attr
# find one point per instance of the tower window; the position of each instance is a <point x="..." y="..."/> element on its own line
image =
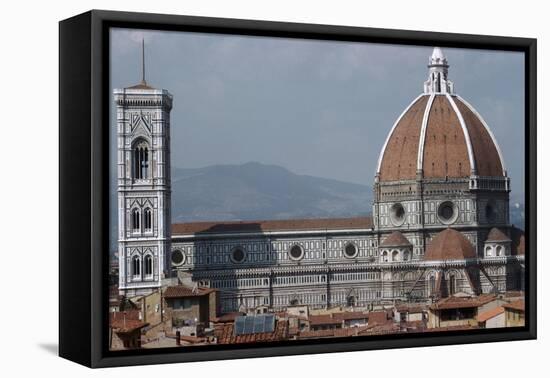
<point x="141" y="161"/>
<point x="136" y="266"/>
<point x="147" y="221"/>
<point x="135" y="220"/>
<point x="452" y="284"/>
<point x="148" y="265"/>
<point x="432" y="285"/>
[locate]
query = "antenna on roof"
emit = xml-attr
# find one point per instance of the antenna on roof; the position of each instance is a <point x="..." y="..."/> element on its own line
<point x="143" y="61"/>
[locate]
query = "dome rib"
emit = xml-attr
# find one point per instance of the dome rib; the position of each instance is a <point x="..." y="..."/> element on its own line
<point x="420" y="158"/>
<point x="381" y="156"/>
<point x="488" y="129"/>
<point x="466" y="133"/>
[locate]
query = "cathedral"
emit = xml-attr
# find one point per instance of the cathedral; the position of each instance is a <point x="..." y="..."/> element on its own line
<point x="440" y="217"/>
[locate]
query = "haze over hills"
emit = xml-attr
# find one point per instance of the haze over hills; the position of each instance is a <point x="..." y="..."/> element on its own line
<point x="258" y="191"/>
<point x="255" y="191"/>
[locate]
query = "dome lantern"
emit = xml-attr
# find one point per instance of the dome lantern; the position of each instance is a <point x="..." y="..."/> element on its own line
<point x="438" y="71"/>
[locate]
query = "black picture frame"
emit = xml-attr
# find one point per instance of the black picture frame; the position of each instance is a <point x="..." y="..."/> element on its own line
<point x="83" y="197"/>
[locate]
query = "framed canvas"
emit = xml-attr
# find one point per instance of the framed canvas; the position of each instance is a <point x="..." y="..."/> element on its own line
<point x="233" y="188"/>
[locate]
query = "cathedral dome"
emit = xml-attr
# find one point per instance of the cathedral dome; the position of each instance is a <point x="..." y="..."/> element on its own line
<point x="439" y="135"/>
<point x="449" y="244"/>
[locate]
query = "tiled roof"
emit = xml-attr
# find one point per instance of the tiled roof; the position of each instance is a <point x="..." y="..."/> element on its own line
<point x="323" y="320"/>
<point x="461" y="302"/>
<point x="412" y="308"/>
<point x="126" y="321"/>
<point x="337" y="317"/>
<point x="518" y="305"/>
<point x="229" y="317"/>
<point x="486" y="315"/>
<point x="224" y="333"/>
<point x="271" y="225"/>
<point x="181" y="291"/>
<point x="395" y="239"/>
<point x="449" y="244"/>
<point x="379" y="317"/>
<point x="496" y="235"/>
<point x="445" y="147"/>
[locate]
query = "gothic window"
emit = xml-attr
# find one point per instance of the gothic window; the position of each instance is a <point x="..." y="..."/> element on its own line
<point x="395" y="256"/>
<point x="148" y="265"/>
<point x="141" y="161"/>
<point x="135" y="220"/>
<point x="432" y="285"/>
<point x="136" y="266"/>
<point x="452" y="284"/>
<point x="147" y="221"/>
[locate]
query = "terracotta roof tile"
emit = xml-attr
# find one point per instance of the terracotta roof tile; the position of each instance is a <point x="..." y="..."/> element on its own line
<point x="445" y="149"/>
<point x="126" y="321"/>
<point x="496" y="235"/>
<point x="449" y="244"/>
<point x="181" y="291"/>
<point x="462" y="302"/>
<point x="399" y="159"/>
<point x="225" y="335"/>
<point x="271" y="225"/>
<point x="395" y="239"/>
<point x="486" y="315"/>
<point x="518" y="305"/>
<point x="485" y="151"/>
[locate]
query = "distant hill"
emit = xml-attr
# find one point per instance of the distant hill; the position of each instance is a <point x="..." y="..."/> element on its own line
<point x="259" y="191"/>
<point x="255" y="191"/>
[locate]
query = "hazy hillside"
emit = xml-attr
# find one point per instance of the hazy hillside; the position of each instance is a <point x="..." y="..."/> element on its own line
<point x="258" y="191"/>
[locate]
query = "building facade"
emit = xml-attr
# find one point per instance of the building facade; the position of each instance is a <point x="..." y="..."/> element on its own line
<point x="440" y="222"/>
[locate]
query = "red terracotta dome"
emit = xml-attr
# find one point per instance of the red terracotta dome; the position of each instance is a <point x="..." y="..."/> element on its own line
<point x="449" y="244"/>
<point x="439" y="134"/>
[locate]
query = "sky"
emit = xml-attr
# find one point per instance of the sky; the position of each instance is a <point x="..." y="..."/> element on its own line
<point x="320" y="108"/>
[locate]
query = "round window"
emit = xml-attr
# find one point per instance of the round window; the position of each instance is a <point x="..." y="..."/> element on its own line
<point x="397" y="214"/>
<point x="238" y="255"/>
<point x="447" y="212"/>
<point x="296" y="252"/>
<point x="178" y="258"/>
<point x="350" y="250"/>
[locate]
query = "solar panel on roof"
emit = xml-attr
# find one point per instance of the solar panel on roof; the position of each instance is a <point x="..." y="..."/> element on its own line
<point x="245" y="325"/>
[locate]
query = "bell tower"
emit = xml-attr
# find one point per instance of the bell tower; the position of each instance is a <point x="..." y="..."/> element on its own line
<point x="144" y="188"/>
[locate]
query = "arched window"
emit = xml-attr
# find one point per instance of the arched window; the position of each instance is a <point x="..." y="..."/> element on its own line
<point x="488" y="251"/>
<point x="136" y="266"/>
<point x="432" y="285"/>
<point x="147" y="219"/>
<point x="141" y="161"/>
<point x="394" y="256"/>
<point x="500" y="250"/>
<point x="148" y="265"/>
<point x="452" y="284"/>
<point x="385" y="256"/>
<point x="405" y="255"/>
<point x="135" y="220"/>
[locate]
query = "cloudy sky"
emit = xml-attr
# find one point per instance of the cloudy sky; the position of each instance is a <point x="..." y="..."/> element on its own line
<point x="320" y="108"/>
